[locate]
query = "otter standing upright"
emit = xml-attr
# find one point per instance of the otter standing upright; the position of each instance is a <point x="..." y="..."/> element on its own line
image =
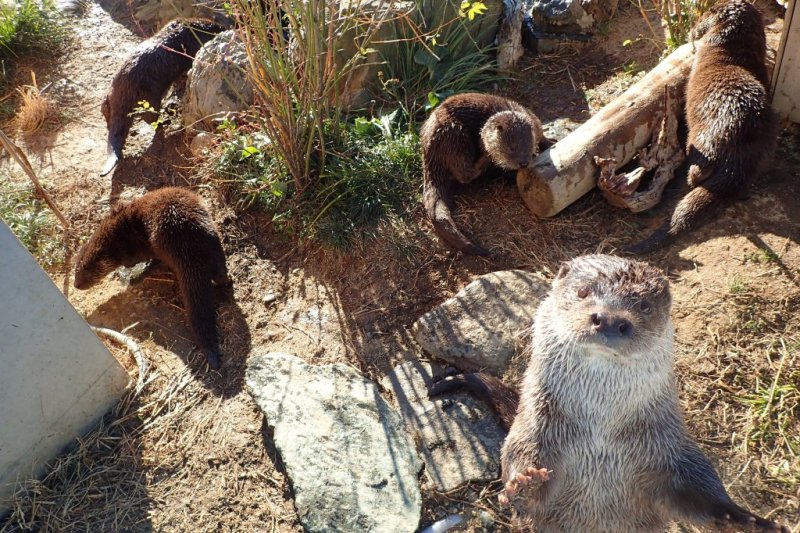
<point x="463" y="136"/>
<point x="598" y="441"/>
<point x="731" y="125"/>
<point x="171" y="225"/>
<point x="147" y="74"/>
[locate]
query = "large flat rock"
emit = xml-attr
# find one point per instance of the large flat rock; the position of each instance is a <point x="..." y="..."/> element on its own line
<point x="460" y="439"/>
<point x="478" y="327"/>
<point x="350" y="462"/>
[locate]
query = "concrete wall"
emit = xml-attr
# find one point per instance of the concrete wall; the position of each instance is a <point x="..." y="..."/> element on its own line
<point x="56" y="377"/>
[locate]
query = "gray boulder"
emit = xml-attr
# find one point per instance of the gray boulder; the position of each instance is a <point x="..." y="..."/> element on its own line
<point x="350" y="462"/>
<point x="217" y="86"/>
<point x="478" y="328"/>
<point x="460" y="439"/>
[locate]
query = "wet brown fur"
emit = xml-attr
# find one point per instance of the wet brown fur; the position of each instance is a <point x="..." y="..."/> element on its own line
<point x="149" y="71"/>
<point x="170" y="225"/>
<point x="599" y="410"/>
<point x="731" y="125"/>
<point x="463" y="137"/>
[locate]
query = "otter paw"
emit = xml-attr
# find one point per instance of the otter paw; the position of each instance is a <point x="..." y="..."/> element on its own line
<point x="741" y="520"/>
<point x="522" y="485"/>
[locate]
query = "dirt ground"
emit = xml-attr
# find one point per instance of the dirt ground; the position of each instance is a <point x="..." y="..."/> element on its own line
<point x="190" y="451"/>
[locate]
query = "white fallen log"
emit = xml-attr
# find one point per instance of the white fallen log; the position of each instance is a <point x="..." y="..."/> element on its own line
<point x="664" y="155"/>
<point x="567" y="170"/>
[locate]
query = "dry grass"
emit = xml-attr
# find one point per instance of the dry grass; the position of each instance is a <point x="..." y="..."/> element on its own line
<point x="35" y="109"/>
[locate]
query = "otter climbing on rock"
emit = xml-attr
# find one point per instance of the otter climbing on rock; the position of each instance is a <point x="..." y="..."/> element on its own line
<point x="170" y="225"/>
<point x="461" y="139"/>
<point x="731" y="125"/>
<point x="147" y="74"/>
<point x="598" y="441"/>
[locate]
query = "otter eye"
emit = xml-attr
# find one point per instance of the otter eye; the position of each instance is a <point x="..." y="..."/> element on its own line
<point x="645" y="307"/>
<point x="583" y="292"/>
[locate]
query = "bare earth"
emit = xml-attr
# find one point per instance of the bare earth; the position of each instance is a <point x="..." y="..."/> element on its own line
<point x="190" y="451"/>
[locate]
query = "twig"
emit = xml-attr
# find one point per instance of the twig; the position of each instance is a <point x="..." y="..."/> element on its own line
<point x="135" y="349"/>
<point x="19" y="156"/>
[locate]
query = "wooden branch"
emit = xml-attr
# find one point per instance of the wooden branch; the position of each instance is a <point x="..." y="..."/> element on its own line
<point x="135" y="349"/>
<point x="20" y="158"/>
<point x="567" y="170"/>
<point x="664" y="154"/>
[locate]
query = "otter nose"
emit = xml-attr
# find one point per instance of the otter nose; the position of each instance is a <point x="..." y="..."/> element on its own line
<point x="523" y="164"/>
<point x="611" y="326"/>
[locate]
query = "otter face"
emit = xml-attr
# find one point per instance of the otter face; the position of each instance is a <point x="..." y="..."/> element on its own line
<point x="95" y="260"/>
<point x="611" y="307"/>
<point x="509" y="139"/>
<point x="91" y="268"/>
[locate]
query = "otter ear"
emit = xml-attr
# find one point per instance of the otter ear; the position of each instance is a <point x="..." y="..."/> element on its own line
<point x="562" y="271"/>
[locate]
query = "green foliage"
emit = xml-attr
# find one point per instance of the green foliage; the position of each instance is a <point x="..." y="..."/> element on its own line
<point x="29" y="27"/>
<point x="371" y="173"/>
<point x="679" y="17"/>
<point x="423" y="72"/>
<point x="32" y="222"/>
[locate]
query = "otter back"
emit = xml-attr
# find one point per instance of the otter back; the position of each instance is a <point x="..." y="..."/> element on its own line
<point x="465" y="135"/>
<point x="170" y="225"/>
<point x="147" y="74"/>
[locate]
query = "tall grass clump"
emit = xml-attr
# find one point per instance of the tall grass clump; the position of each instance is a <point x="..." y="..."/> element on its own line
<point x="432" y="63"/>
<point x="678" y="17"/>
<point x="324" y="170"/>
<point x="300" y="76"/>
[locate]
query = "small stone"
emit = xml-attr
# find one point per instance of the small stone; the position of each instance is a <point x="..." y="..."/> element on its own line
<point x="269" y="298"/>
<point x="202" y="143"/>
<point x="487" y="520"/>
<point x="478" y="327"/>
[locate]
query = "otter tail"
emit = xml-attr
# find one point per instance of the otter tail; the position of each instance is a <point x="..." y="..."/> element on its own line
<point x="198" y="298"/>
<point x="700" y="203"/>
<point x="437" y="200"/>
<point x="502" y="399"/>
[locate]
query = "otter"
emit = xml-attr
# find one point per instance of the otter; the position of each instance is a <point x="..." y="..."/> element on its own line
<point x="597" y="441"/>
<point x="171" y="225"/>
<point x="147" y="74"/>
<point x="461" y="139"/>
<point x="731" y="125"/>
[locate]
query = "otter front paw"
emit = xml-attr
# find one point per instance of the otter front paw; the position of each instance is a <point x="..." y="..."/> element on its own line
<point x="728" y="518"/>
<point x="523" y="485"/>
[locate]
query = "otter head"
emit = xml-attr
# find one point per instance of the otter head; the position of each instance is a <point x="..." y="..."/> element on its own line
<point x="97" y="258"/>
<point x="611" y="309"/>
<point x="731" y="22"/>
<point x="508" y="137"/>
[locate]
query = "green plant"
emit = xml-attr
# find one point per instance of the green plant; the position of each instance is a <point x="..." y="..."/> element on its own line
<point x="426" y="67"/>
<point x="678" y="17"/>
<point x="774" y="408"/>
<point x="737" y="286"/>
<point x="30" y="26"/>
<point x="373" y="173"/>
<point x="32" y="222"/>
<point x="301" y="71"/>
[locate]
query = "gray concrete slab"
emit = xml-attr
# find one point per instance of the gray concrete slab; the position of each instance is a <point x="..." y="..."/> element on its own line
<point x="56" y="377"/>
